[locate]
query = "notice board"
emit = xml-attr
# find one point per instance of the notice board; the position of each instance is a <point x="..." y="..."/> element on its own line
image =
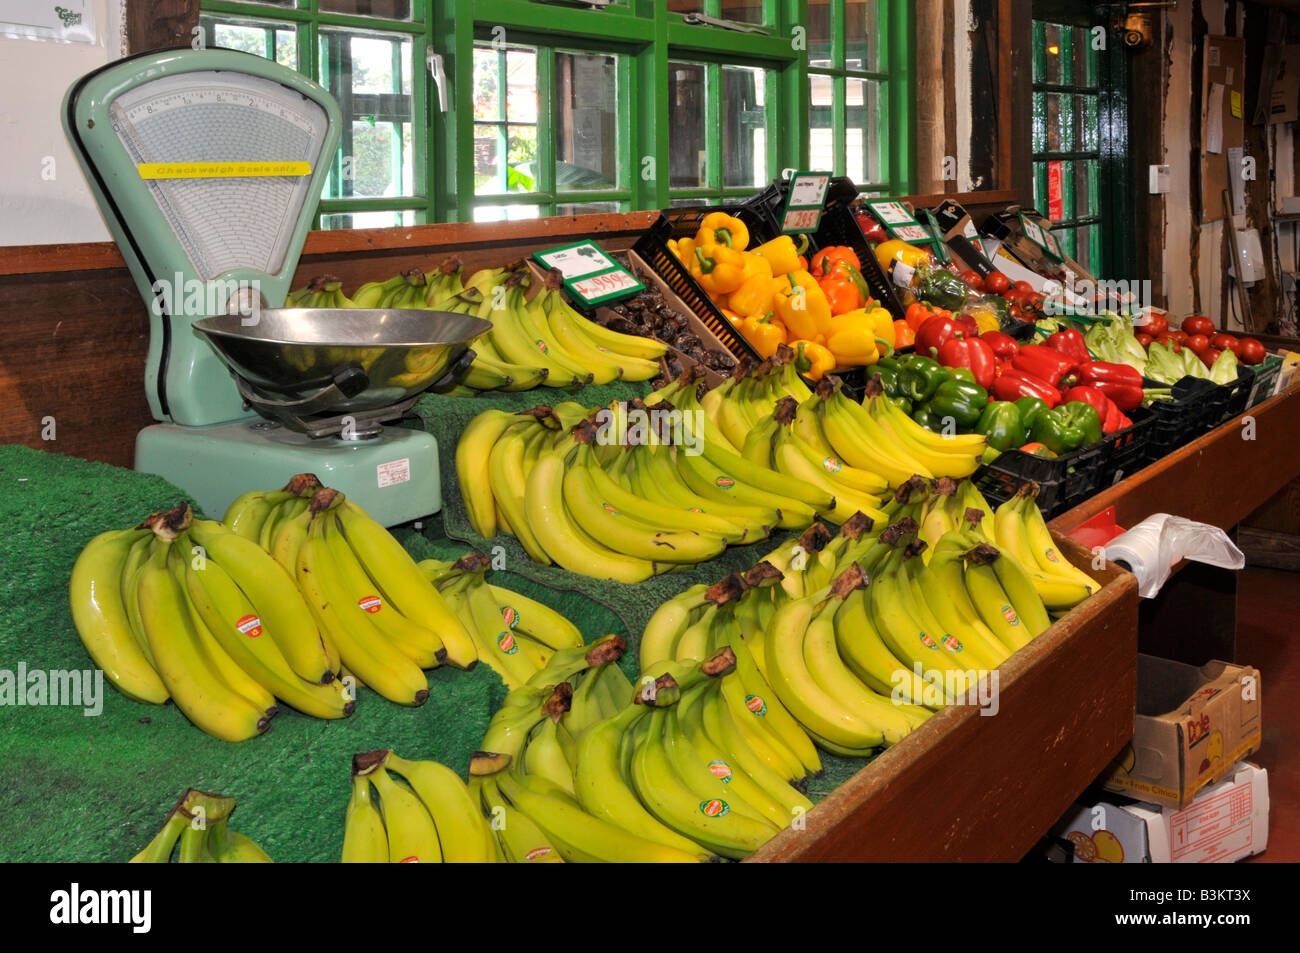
<point x="1223" y="124"/>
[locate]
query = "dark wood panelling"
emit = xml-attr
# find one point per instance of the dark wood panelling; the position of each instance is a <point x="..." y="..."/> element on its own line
<point x="158" y="24"/>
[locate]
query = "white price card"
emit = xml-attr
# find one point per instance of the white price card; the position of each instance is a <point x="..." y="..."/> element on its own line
<point x="805" y="202"/>
<point x="913" y="233"/>
<point x="603" y="286"/>
<point x="577" y="260"/>
<point x="892" y="213"/>
<point x="394" y="472"/>
<point x="801" y="219"/>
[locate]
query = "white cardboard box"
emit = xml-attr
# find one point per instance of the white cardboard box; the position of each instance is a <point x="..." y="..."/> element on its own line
<point x="1225" y="822"/>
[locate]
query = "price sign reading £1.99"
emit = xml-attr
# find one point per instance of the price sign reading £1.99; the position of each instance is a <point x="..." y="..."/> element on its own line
<point x="807" y="200"/>
<point x="590" y="276"/>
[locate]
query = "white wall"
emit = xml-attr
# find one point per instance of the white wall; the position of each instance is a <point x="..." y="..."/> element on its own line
<point x="42" y="203"/>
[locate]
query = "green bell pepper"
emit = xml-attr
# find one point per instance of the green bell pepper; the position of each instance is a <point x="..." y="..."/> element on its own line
<point x="963" y="401"/>
<point x="1001" y="424"/>
<point x="926" y="416"/>
<point x="888" y="379"/>
<point x="960" y="374"/>
<point x="1030" y="408"/>
<point x="1067" y="427"/>
<point x="902" y="403"/>
<point x="919" y="378"/>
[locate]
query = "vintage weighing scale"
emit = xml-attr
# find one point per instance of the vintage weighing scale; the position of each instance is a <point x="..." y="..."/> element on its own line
<point x="207" y="165"/>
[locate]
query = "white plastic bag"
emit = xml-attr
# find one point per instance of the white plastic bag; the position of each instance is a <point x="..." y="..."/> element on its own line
<point x="1153" y="546"/>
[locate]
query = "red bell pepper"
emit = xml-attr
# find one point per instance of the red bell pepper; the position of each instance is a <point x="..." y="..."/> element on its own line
<point x="1106" y="408"/>
<point x="970" y="353"/>
<point x="1120" y="382"/>
<point x="1004" y="345"/>
<point x="935" y="333"/>
<point x="968" y="325"/>
<point x="1045" y="363"/>
<point x="1012" y="384"/>
<point x="1071" y="344"/>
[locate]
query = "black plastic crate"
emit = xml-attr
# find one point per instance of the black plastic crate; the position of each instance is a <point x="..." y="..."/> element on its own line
<point x="1189" y="413"/>
<point x="1071" y="478"/>
<point x="653" y="249"/>
<point x="1231" y="400"/>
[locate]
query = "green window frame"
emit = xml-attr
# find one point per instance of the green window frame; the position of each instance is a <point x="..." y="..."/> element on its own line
<point x="890" y="76"/>
<point x="1080" y="120"/>
<point x="642" y="35"/>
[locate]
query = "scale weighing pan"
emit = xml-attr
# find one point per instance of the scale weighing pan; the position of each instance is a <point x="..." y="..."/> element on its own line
<point x="339" y="360"/>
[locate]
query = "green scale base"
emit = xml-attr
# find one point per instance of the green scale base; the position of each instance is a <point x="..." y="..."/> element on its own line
<point x="393" y="477"/>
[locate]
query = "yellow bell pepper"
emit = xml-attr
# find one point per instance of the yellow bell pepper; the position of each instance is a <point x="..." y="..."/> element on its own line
<point x="782" y="253"/>
<point x="722" y="229"/>
<point x="882" y="323"/>
<point x="812" y="360"/>
<point x="719" y="270"/>
<point x="764" y="332"/>
<point x="854" y="346"/>
<point x="805" y="310"/>
<point x="756" y="296"/>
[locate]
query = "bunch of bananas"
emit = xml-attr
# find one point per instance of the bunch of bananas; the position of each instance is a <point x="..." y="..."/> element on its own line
<point x="323" y="291"/>
<point x="852" y="640"/>
<point x="414" y="288"/>
<point x="516" y="636"/>
<point x="200" y="822"/>
<point x="381" y="620"/>
<point x="431" y="818"/>
<point x="542" y="340"/>
<point x="186" y="609"/>
<point x="590" y="768"/>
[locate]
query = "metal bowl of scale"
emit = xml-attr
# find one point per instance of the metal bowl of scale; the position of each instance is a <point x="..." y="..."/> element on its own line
<point x="385" y="354"/>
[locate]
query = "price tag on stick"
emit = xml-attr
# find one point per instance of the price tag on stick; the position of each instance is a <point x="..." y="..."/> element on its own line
<point x="590" y="276"/>
<point x="806" y="202"/>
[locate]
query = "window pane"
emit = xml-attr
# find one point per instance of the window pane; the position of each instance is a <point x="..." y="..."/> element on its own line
<point x="1040" y="122"/>
<point x="743" y="11"/>
<point x="863" y="162"/>
<point x="505" y="213"/>
<point x="521" y="85"/>
<point x="687" y="166"/>
<point x="744" y="126"/>
<point x="586" y="133"/>
<point x="368" y="219"/>
<point x="688" y="203"/>
<point x="1089" y="123"/>
<point x="390" y="9"/>
<point x="821" y="137"/>
<point x="860" y="32"/>
<point x="1085" y="44"/>
<point x="819" y="33"/>
<point x="588" y="208"/>
<point x="487" y="85"/>
<point x="260" y="39"/>
<point x="1053" y="71"/>
<point x="1060" y="122"/>
<point x="371" y="79"/>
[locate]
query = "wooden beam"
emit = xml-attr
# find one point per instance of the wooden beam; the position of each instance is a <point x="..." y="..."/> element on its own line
<point x="1020" y="141"/>
<point x="932" y="63"/>
<point x="160" y="24"/>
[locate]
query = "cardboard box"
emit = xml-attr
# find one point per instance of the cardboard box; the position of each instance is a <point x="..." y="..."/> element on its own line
<point x="1224" y="823"/>
<point x="1193" y="725"/>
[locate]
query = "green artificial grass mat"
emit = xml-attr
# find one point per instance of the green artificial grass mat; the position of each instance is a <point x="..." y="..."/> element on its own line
<point x="87" y="789"/>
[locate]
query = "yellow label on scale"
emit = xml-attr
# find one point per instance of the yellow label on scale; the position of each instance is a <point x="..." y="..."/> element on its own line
<point x="221" y="170"/>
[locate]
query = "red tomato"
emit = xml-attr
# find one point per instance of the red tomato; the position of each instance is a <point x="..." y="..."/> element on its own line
<point x="1179" y="336"/>
<point x="1252" y="351"/>
<point x="1024" y="286"/>
<point x="972" y="280"/>
<point x="1014" y="295"/>
<point x="1198" y="342"/>
<point x="1196" y="324"/>
<point x="997" y="283"/>
<point x="1225" y="342"/>
<point x="1154" y="325"/>
<point x="1016" y="312"/>
<point x="1209" y="355"/>
<point x="1144" y="339"/>
<point x="1172" y="341"/>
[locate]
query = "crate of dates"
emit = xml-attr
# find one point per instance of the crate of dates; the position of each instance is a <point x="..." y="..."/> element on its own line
<point x="659" y="313"/>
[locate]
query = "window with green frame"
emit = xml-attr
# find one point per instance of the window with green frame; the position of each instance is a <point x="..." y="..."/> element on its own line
<point x="1080" y="137"/>
<point x="554" y="109"/>
<point x="859" y="91"/>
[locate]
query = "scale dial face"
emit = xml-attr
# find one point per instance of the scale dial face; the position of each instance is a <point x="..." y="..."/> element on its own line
<point x="224" y="224"/>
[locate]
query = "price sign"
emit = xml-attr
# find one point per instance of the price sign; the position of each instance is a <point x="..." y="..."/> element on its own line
<point x="590" y="276"/>
<point x="806" y="202"/>
<point x="1042" y="238"/>
<point x="902" y="224"/>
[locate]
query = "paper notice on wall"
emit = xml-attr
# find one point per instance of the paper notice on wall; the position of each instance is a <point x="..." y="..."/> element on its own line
<point x="69" y="21"/>
<point x="1214" y="120"/>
